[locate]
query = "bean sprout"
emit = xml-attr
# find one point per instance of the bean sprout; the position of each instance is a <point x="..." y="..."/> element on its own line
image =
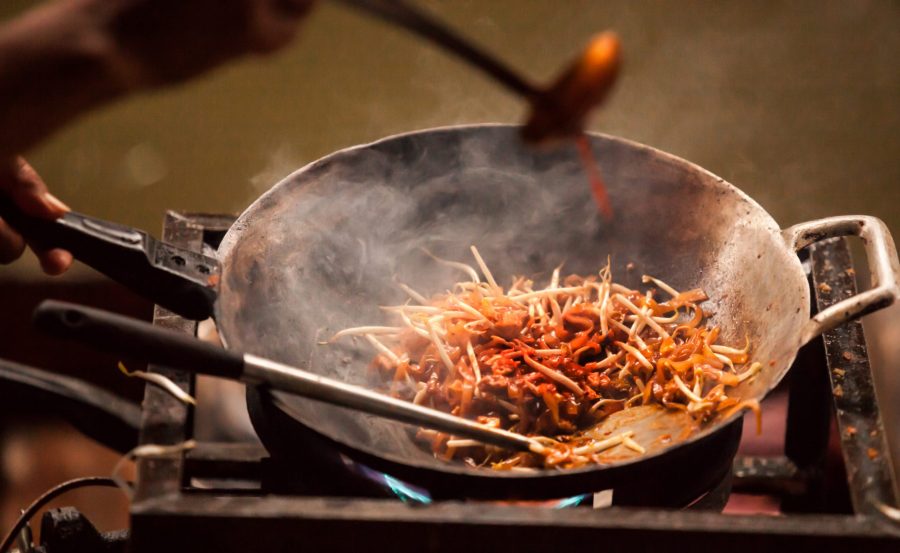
<point x="553" y="363"/>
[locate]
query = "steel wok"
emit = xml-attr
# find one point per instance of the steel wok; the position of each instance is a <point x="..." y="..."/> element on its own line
<point x="323" y="249"/>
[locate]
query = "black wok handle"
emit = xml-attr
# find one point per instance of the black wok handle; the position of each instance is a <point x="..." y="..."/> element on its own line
<point x="107" y="418"/>
<point x="136" y="339"/>
<point x="180" y="280"/>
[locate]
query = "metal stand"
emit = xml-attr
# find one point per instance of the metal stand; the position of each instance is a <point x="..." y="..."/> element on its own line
<point x="171" y="515"/>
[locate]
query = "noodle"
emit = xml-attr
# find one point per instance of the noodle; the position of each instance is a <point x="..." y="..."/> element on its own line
<point x="551" y="363"/>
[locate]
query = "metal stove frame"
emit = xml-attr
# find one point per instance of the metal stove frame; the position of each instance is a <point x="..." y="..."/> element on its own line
<point x="172" y="513"/>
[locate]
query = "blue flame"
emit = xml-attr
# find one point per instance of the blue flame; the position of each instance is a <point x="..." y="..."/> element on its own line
<point x="573" y="501"/>
<point x="407" y="492"/>
<point x="414" y="494"/>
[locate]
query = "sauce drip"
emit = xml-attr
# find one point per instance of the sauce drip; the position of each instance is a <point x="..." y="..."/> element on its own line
<point x="592" y="168"/>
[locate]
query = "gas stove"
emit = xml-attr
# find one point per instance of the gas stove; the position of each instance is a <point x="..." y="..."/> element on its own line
<point x="237" y="496"/>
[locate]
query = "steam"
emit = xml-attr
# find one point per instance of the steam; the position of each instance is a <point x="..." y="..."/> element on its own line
<point x="353" y="229"/>
<point x="325" y="249"/>
<point x="336" y="241"/>
<point x="144" y="165"/>
<point x="282" y="161"/>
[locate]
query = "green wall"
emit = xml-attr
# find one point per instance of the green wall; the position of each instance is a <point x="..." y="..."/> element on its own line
<point x="796" y="104"/>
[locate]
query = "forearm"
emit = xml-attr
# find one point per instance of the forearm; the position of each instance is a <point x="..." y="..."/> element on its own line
<point x="68" y="56"/>
<point x="56" y="62"/>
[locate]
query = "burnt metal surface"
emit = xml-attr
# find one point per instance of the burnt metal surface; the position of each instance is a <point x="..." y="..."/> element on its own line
<point x="165" y="419"/>
<point x="101" y="415"/>
<point x="866" y="454"/>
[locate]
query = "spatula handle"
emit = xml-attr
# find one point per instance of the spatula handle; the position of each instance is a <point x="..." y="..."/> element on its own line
<point x="137" y="339"/>
<point x="134" y="339"/>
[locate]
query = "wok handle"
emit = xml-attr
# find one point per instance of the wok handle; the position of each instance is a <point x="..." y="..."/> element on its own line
<point x="109" y="419"/>
<point x="180" y="280"/>
<point x="883" y="266"/>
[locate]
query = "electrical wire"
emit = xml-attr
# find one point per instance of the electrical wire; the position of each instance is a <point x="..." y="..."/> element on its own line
<point x="48" y="496"/>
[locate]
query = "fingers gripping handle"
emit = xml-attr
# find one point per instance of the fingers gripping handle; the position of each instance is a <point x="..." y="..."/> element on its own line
<point x="883" y="266"/>
<point x="131" y="338"/>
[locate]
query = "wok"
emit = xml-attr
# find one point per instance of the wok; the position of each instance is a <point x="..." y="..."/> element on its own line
<point x="323" y="249"/>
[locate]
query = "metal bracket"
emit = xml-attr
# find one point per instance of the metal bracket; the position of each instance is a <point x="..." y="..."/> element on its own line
<point x="863" y="443"/>
<point x="181" y="280"/>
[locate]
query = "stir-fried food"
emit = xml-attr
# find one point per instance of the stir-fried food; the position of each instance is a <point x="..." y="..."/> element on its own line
<point x="552" y="362"/>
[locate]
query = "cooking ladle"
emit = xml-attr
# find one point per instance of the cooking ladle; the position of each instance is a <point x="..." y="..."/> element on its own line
<point x="130" y="337"/>
<point x="557" y="110"/>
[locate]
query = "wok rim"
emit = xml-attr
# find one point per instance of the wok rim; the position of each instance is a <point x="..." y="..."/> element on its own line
<point x="244" y="220"/>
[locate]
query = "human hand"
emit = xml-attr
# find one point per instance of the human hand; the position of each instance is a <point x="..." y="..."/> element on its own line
<point x="21" y="183"/>
<point x="166" y="41"/>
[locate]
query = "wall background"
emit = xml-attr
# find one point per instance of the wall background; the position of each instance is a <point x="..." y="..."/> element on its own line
<point x="796" y="103"/>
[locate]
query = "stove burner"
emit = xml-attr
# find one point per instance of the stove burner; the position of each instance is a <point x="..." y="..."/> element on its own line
<point x="409" y="493"/>
<point x="406" y="493"/>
